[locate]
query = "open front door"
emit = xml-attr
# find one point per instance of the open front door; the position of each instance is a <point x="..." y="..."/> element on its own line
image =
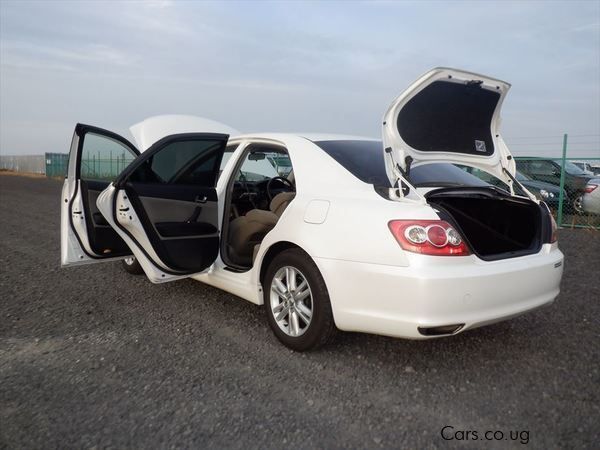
<point x="164" y="206"/>
<point x="96" y="157"/>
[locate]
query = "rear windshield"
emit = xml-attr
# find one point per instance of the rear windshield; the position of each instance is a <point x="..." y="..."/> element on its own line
<point x="573" y="169"/>
<point x="364" y="159"/>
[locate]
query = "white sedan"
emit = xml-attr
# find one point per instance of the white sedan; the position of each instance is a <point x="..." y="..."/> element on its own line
<point x="328" y="232"/>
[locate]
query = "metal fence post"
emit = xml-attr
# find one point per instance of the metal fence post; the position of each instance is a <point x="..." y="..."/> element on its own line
<point x="561" y="194"/>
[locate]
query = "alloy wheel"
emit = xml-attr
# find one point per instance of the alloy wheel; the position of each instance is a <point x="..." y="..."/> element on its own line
<point x="291" y="301"/>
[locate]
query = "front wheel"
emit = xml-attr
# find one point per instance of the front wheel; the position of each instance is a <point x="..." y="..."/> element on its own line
<point x="297" y="302"/>
<point x="132" y="266"/>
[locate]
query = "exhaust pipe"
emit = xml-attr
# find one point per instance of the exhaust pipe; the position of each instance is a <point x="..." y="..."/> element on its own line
<point x="441" y="331"/>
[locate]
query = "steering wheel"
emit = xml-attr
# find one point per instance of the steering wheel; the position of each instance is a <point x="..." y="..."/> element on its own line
<point x="283" y="181"/>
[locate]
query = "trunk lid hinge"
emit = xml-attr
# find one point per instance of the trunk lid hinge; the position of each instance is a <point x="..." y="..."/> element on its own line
<point x="401" y="187"/>
<point x="514" y="182"/>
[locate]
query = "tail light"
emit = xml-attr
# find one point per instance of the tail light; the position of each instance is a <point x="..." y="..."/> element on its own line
<point x="428" y="237"/>
<point x="590" y="188"/>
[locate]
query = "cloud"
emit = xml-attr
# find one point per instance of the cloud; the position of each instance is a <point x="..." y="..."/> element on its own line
<point x="329" y="66"/>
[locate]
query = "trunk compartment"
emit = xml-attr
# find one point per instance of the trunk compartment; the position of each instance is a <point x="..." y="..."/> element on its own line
<point x="494" y="224"/>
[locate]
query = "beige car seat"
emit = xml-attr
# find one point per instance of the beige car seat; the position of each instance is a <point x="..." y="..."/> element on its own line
<point x="247" y="232"/>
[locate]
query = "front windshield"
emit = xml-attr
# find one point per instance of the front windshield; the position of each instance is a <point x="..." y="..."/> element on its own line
<point x="260" y="166"/>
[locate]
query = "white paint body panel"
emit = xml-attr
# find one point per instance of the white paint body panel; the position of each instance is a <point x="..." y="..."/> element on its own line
<point x="396" y="301"/>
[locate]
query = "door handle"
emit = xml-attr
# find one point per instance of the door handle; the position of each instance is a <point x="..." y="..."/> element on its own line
<point x="202" y="199"/>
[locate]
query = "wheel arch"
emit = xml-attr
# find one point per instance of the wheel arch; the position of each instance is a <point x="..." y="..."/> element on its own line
<point x="273" y="251"/>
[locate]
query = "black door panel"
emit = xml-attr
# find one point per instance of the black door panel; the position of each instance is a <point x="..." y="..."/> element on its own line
<point x="182" y="244"/>
<point x="184" y="229"/>
<point x="173" y="191"/>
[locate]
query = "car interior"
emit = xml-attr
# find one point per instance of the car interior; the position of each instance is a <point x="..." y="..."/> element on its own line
<point x="258" y="193"/>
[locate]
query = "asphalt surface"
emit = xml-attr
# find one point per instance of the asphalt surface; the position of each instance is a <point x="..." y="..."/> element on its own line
<point x="94" y="357"/>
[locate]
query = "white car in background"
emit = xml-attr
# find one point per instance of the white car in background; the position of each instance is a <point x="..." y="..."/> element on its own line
<point x="360" y="235"/>
<point x="588" y="168"/>
<point x="591" y="197"/>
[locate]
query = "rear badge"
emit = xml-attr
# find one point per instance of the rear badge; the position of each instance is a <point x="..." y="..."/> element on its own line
<point x="480" y="146"/>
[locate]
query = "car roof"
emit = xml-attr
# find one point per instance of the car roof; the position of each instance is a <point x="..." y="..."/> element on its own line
<point x="313" y="137"/>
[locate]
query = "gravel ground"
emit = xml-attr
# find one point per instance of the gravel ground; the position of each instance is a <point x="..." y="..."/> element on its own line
<point x="94" y="357"/>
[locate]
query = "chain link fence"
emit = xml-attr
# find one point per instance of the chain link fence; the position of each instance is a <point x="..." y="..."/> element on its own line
<point x="102" y="166"/>
<point x="23" y="163"/>
<point x="569" y="185"/>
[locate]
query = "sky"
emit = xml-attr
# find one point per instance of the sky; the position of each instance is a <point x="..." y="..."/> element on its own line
<point x="291" y="66"/>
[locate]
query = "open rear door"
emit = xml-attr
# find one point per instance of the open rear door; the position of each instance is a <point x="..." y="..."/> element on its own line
<point x="97" y="156"/>
<point x="164" y="205"/>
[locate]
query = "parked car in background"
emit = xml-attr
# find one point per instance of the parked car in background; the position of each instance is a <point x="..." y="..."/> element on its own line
<point x="548" y="171"/>
<point x="546" y="192"/>
<point x="591" y="198"/>
<point x="588" y="168"/>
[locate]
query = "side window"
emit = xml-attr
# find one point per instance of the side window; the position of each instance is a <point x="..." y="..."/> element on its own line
<point x="103" y="158"/>
<point x="191" y="162"/>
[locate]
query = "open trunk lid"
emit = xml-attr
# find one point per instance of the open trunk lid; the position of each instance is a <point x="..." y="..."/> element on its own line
<point x="448" y="115"/>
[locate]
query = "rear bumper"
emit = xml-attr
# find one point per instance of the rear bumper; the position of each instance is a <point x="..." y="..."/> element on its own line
<point x="439" y="291"/>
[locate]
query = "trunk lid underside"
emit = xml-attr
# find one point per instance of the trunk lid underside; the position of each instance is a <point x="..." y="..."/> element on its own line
<point x="448" y="115"/>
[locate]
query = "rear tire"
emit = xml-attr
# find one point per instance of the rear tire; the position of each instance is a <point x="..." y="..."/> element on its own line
<point x="298" y="310"/>
<point x="578" y="205"/>
<point x="132" y="266"/>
